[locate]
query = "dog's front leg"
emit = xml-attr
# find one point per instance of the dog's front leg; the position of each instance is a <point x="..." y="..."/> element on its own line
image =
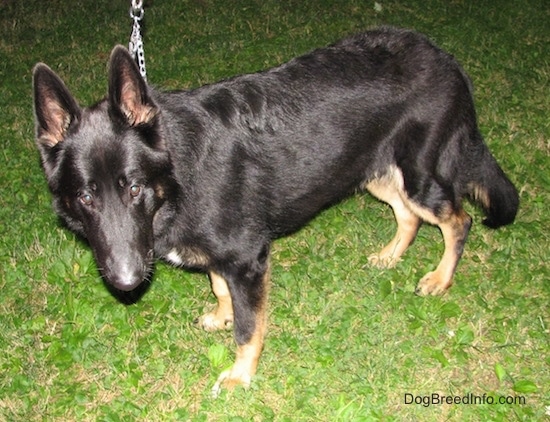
<point x="222" y="316"/>
<point x="249" y="285"/>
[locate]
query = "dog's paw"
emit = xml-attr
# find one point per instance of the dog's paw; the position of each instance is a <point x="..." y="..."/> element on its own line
<point x="212" y="321"/>
<point x="432" y="284"/>
<point x="230" y="379"/>
<point x="381" y="261"/>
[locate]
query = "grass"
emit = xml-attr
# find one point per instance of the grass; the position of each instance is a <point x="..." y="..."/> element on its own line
<point x="346" y="341"/>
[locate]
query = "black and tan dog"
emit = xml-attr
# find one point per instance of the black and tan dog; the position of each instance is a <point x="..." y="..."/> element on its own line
<point x="208" y="178"/>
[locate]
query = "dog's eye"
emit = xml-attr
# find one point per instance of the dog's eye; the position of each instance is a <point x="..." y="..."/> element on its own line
<point x="86" y="199"/>
<point x="135" y="190"/>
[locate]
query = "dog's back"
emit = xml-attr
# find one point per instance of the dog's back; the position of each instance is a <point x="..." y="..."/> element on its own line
<point x="325" y="124"/>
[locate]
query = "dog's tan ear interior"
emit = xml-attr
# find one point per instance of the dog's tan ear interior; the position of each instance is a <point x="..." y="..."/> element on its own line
<point x="127" y="89"/>
<point x="54" y="106"/>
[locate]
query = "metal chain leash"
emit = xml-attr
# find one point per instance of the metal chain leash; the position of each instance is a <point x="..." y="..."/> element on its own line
<point x="135" y="47"/>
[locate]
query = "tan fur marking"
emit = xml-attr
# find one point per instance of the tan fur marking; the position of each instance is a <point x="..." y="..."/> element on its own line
<point x="58" y="122"/>
<point x="248" y="354"/>
<point x="159" y="191"/>
<point x="454" y="231"/>
<point x="480" y="194"/>
<point x="138" y="114"/>
<point x="190" y="257"/>
<point x="135" y="110"/>
<point x="409" y="215"/>
<point x="240" y="374"/>
<point x="222" y="316"/>
<point x="387" y="189"/>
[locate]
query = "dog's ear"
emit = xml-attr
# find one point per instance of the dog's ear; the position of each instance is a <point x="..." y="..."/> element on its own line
<point x="55" y="108"/>
<point x="128" y="94"/>
<point x="56" y="112"/>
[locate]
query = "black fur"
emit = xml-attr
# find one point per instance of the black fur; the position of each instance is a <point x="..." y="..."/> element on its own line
<point x="209" y="177"/>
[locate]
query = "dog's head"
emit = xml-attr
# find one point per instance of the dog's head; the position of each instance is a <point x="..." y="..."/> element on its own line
<point x="107" y="166"/>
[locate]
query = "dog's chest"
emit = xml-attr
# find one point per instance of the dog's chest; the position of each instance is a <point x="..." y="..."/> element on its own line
<point x="187" y="257"/>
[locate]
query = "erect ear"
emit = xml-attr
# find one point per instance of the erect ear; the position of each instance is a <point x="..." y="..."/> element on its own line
<point x="127" y="89"/>
<point x="54" y="107"/>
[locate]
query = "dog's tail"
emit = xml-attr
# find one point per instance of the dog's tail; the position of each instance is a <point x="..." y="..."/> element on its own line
<point x="492" y="189"/>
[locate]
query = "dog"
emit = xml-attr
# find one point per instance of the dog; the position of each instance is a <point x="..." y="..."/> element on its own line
<point x="207" y="178"/>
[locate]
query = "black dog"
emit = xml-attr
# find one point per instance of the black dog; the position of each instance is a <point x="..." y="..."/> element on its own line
<point x="208" y="178"/>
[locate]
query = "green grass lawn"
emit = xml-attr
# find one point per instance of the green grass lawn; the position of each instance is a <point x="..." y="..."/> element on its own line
<point x="346" y="342"/>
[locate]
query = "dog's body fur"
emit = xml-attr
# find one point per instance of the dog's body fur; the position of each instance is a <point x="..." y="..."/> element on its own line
<point x="208" y="178"/>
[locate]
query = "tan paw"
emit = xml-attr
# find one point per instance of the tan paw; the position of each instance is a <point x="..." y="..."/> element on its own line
<point x="214" y="322"/>
<point x="432" y="284"/>
<point x="230" y="379"/>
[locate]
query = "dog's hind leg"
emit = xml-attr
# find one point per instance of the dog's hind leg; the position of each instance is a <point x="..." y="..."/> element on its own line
<point x="453" y="222"/>
<point x="455" y="230"/>
<point x="387" y="189"/>
<point x="221" y="317"/>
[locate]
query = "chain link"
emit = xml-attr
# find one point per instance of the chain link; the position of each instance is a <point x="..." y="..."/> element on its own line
<point x="135" y="47"/>
<point x="136" y="10"/>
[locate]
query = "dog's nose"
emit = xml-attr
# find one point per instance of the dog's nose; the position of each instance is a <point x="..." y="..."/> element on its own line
<point x="124" y="275"/>
<point x="125" y="283"/>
